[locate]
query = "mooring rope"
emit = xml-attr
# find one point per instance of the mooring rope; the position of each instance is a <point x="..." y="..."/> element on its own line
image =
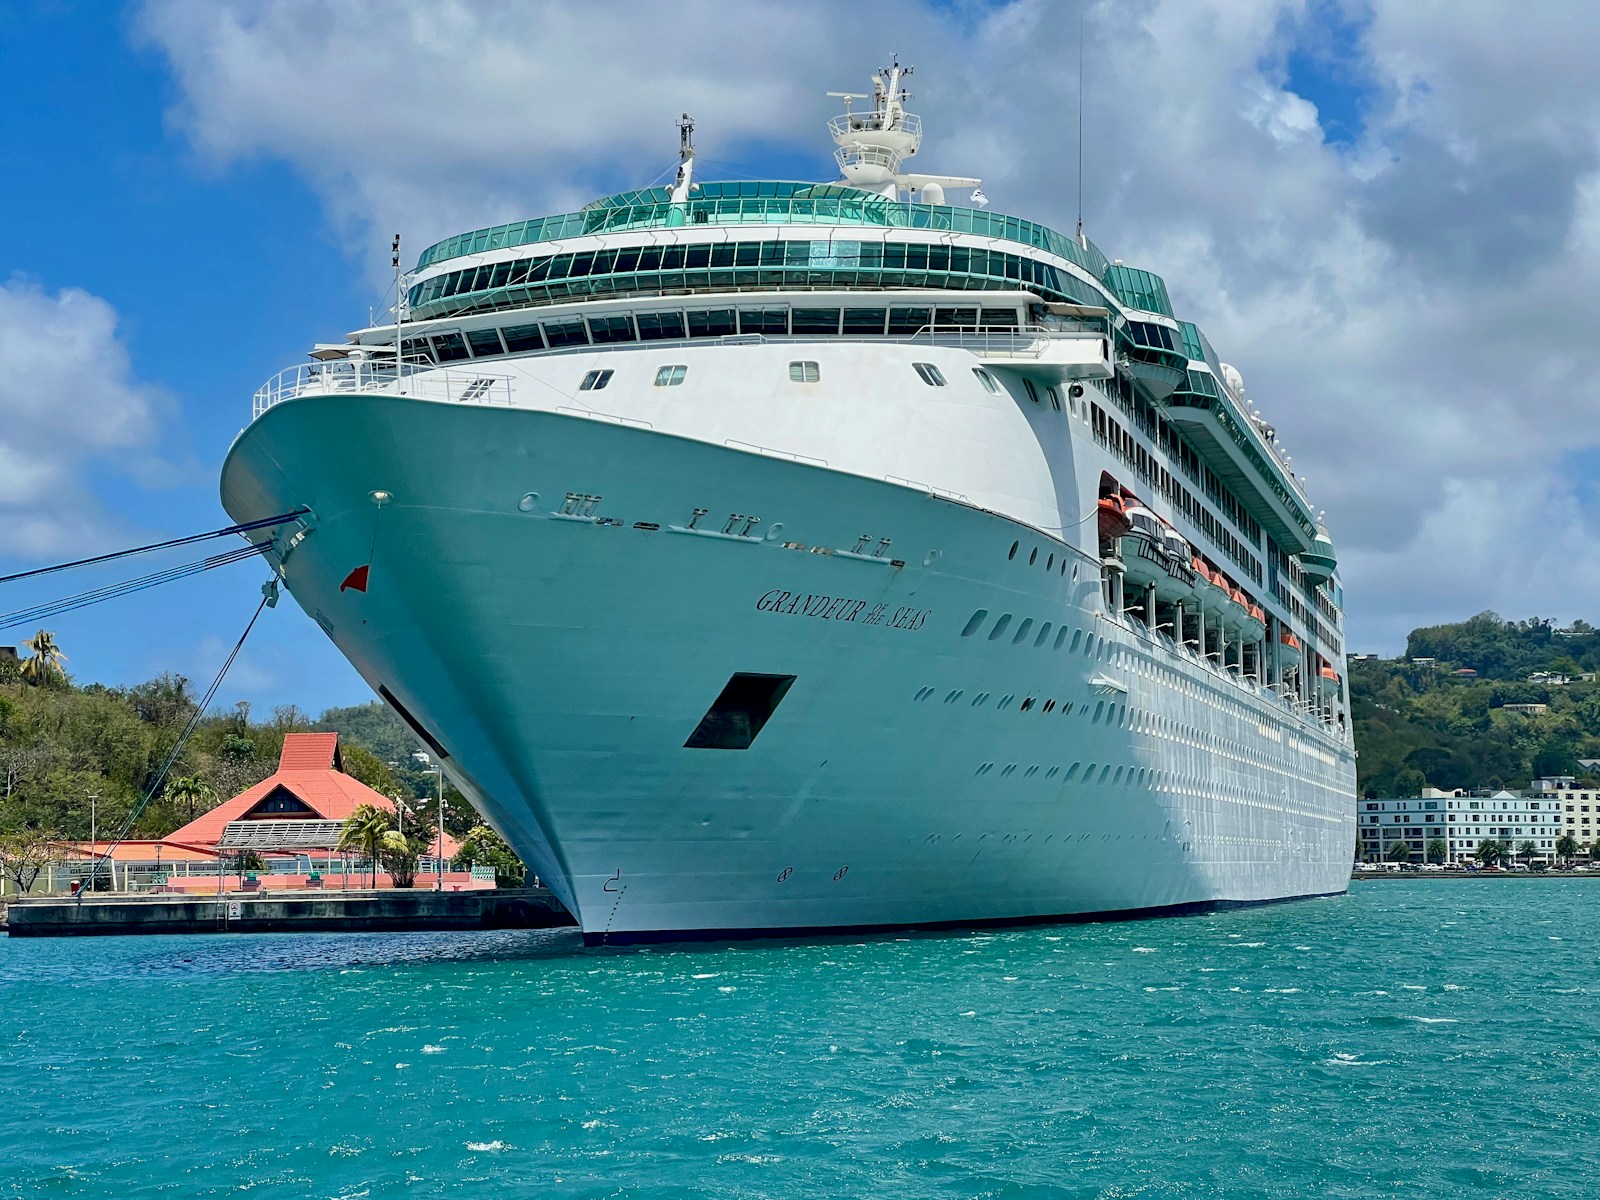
<point x="54" y="608"/>
<point x="263" y="523"/>
<point x="177" y="749"/>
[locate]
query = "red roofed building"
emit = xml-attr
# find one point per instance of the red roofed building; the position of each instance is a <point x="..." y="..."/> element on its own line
<point x="291" y="818"/>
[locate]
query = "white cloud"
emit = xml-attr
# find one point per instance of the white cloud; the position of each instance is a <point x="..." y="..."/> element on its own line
<point x="1412" y="311"/>
<point x="69" y="407"/>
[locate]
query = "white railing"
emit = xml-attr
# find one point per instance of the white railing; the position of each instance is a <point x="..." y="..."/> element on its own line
<point x="351" y="377"/>
<point x="1027" y="341"/>
<point x="852" y="123"/>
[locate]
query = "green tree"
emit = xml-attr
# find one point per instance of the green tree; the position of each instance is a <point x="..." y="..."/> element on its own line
<point x="1399" y="851"/>
<point x="1566" y="848"/>
<point x="1526" y="851"/>
<point x="45" y="665"/>
<point x="369" y="831"/>
<point x="1489" y="852"/>
<point x="188" y="790"/>
<point x="1437" y="850"/>
<point x="483" y="847"/>
<point x="24" y="855"/>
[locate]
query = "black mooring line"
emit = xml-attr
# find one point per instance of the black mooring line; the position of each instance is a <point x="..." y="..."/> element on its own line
<point x="183" y="541"/>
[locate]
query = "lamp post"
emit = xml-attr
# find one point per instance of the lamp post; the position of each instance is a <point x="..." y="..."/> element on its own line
<point x="438" y="873"/>
<point x="94" y="841"/>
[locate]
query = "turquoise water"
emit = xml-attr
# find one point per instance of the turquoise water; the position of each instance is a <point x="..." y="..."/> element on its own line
<point x="1433" y="1038"/>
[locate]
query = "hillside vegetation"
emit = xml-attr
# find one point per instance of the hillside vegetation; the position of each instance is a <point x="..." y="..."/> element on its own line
<point x="1420" y="723"/>
<point x="73" y="756"/>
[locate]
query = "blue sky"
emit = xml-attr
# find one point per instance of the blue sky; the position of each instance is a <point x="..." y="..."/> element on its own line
<point x="1386" y="214"/>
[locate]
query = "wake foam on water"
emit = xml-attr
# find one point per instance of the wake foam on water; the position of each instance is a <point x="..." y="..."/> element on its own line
<point x="493" y="1147"/>
<point x="1433" y="1020"/>
<point x="1355" y="1060"/>
<point x="432" y="1049"/>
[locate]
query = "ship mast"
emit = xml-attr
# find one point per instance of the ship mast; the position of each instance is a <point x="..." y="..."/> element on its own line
<point x="680" y="189"/>
<point x="874" y="146"/>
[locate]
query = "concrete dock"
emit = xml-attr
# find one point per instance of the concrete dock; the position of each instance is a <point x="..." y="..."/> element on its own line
<point x="285" y="912"/>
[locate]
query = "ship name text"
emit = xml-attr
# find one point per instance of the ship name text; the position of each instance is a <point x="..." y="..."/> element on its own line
<point x="841" y="608"/>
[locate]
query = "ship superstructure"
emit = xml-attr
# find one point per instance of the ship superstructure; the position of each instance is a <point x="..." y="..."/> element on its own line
<point x="770" y="556"/>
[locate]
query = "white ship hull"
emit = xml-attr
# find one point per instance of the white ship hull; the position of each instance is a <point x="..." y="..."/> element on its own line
<point x="918" y="771"/>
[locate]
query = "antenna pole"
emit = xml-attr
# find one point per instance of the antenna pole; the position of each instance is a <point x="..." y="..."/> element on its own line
<point x="1080" y="128"/>
<point x="399" y="309"/>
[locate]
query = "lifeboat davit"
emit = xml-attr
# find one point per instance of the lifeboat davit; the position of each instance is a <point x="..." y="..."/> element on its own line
<point x="1113" y="518"/>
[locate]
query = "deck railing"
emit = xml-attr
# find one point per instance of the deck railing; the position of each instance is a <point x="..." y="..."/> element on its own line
<point x="352" y="377"/>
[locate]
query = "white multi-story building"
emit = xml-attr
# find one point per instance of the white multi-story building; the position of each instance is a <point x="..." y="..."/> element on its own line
<point x="1461" y="822"/>
<point x="1579" y="808"/>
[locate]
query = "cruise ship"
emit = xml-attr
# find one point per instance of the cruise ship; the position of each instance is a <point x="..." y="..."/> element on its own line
<point x="764" y="557"/>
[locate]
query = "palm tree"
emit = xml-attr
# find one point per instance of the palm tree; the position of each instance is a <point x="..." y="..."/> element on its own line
<point x="1438" y="850"/>
<point x="1567" y="848"/>
<point x="186" y="789"/>
<point x="1489" y="852"/>
<point x="47" y="658"/>
<point x="368" y="830"/>
<point x="1399" y="851"/>
<point x="1526" y="851"/>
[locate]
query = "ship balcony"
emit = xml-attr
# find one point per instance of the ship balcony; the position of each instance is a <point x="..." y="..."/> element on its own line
<point x="351" y="376"/>
<point x="1054" y="355"/>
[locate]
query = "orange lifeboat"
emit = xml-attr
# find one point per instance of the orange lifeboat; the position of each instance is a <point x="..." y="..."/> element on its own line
<point x="1329" y="673"/>
<point x="1113" y="517"/>
<point x="1253" y="627"/>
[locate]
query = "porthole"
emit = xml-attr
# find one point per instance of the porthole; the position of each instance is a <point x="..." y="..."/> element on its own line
<point x="999" y="627"/>
<point x="1050" y="563"/>
<point x="1033" y="556"/>
<point x="989" y="384"/>
<point x="1061" y="636"/>
<point x="1044" y="635"/>
<point x="1026" y="705"/>
<point x="1049" y="706"/>
<point x="1071" y="771"/>
<point x="1077" y="637"/>
<point x="1022" y="631"/>
<point x="974" y="621"/>
<point x="1012" y="553"/>
<point x="804" y="372"/>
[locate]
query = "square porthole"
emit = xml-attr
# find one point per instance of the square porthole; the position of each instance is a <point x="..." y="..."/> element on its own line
<point x="804" y="372"/>
<point x="671" y="376"/>
<point x="594" y="381"/>
<point x="740" y="711"/>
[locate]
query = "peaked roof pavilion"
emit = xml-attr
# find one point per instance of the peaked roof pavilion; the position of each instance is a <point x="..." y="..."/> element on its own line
<point x="309" y="785"/>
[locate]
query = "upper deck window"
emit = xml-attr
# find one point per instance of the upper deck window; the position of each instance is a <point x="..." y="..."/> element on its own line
<point x="656" y="327"/>
<point x="611" y="329"/>
<point x="595" y="380"/>
<point x="988" y="381"/>
<point x="570" y="332"/>
<point x="804" y="372"/>
<point x="671" y="375"/>
<point x="485" y="342"/>
<point x="956" y="318"/>
<point x="864" y="320"/>
<point x="522" y="337"/>
<point x="447" y="347"/>
<point x="904" y="321"/>
<point x="816" y="320"/>
<point x="764" y="320"/>
<point x="931" y="375"/>
<point x="712" y="322"/>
